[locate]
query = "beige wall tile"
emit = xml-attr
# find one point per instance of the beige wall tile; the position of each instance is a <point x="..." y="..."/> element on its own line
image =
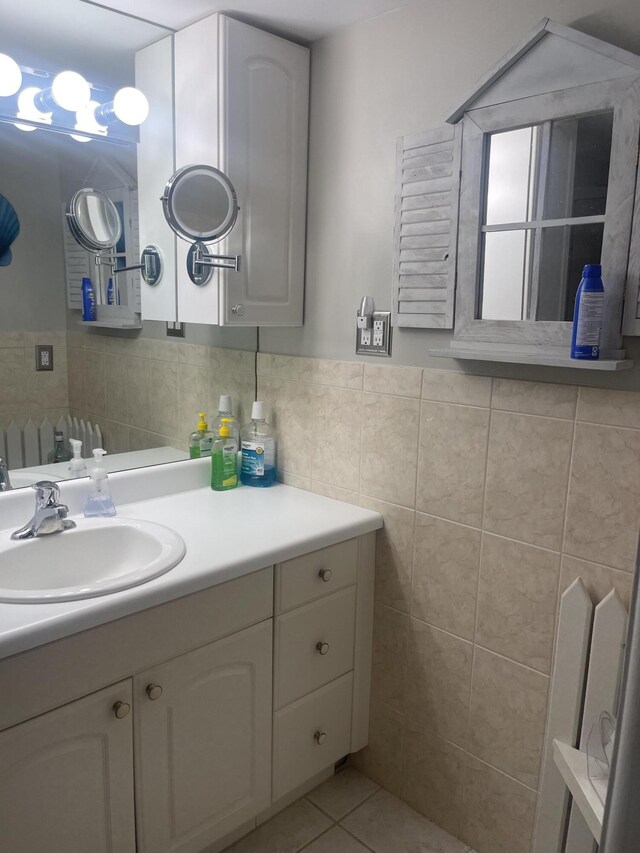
<point x="141" y="439"/>
<point x="437" y="681"/>
<point x="448" y="386"/>
<point x="13" y="380"/>
<point x="605" y="406"/>
<point x="603" y="511"/>
<point x="445" y="574"/>
<point x="599" y="580"/>
<point x="432" y="777"/>
<point x="224" y="360"/>
<point x="394" y="553"/>
<point x="11" y="340"/>
<point x="334" y="492"/>
<point x="75" y="378"/>
<point x="318" y="371"/>
<point x="337" y="420"/>
<point x="264" y="364"/>
<point x="115" y="436"/>
<point x="534" y="398"/>
<point x="517" y="600"/>
<point x="95" y="383"/>
<point x="381" y="759"/>
<point x="390" y="427"/>
<point x="498" y="813"/>
<point x="193" y="354"/>
<point x="507" y="715"/>
<point x="451" y="461"/>
<point x="139" y="392"/>
<point x="295" y="481"/>
<point x="163" y="397"/>
<point x="399" y="381"/>
<point x="194" y="396"/>
<point x="291" y="408"/>
<point x="117" y="379"/>
<point x="527" y="477"/>
<point x="390" y="629"/>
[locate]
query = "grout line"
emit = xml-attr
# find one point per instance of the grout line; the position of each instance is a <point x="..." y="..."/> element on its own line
<point x="313" y="840"/>
<point x="359" y="840"/>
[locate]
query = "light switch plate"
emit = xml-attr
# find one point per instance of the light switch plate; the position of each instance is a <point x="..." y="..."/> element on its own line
<point x="377" y="339"/>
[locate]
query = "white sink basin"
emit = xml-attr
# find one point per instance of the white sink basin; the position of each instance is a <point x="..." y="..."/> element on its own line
<point x="20" y="479"/>
<point x="98" y="557"/>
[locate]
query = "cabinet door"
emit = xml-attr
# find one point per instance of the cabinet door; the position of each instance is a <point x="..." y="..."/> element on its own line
<point x="264" y="86"/>
<point x="203" y="746"/>
<point x="67" y="779"/>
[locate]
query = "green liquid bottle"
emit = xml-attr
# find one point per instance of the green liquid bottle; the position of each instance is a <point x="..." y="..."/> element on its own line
<point x="200" y="441"/>
<point x="224" y="459"/>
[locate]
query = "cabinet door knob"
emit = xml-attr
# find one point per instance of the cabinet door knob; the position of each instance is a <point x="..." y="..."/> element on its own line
<point x="121" y="709"/>
<point x="320" y="737"/>
<point x="325" y="575"/>
<point x="238" y="310"/>
<point x="154" y="691"/>
<point x="322" y="648"/>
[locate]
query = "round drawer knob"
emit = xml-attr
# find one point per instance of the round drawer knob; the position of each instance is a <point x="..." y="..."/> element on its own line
<point x="322" y="648"/>
<point x="238" y="310"/>
<point x="154" y="691"/>
<point x="320" y="737"/>
<point x="121" y="709"/>
<point x="325" y="575"/>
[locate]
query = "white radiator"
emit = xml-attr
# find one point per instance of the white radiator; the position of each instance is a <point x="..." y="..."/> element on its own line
<point x="31" y="445"/>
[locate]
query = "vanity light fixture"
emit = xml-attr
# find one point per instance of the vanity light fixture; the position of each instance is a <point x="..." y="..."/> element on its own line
<point x="65" y="102"/>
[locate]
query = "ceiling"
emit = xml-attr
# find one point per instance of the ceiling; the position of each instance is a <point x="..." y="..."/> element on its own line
<point x="305" y="20"/>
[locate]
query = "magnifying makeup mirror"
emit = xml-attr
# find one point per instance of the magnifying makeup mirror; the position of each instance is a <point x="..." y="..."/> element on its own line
<point x="94" y="223"/>
<point x="200" y="205"/>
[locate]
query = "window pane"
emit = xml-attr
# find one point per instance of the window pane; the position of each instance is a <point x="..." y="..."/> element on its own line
<point x="506" y="275"/>
<point x="565" y="251"/>
<point x="578" y="171"/>
<point x="512" y="161"/>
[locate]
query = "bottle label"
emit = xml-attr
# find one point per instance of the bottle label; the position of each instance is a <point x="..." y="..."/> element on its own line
<point x="589" y="320"/>
<point x="205" y="446"/>
<point x="255" y="456"/>
<point x="229" y="464"/>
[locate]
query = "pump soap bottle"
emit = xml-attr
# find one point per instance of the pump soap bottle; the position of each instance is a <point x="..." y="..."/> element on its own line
<point x="224" y="458"/>
<point x="77" y="465"/>
<point x="201" y="440"/>
<point x="99" y="502"/>
<point x="258" y="450"/>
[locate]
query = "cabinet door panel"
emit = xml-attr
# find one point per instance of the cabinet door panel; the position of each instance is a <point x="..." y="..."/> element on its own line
<point x="264" y="98"/>
<point x="203" y="748"/>
<point x="67" y="779"/>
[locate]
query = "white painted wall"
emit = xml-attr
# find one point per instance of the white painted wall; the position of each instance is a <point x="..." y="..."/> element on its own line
<point x="372" y="82"/>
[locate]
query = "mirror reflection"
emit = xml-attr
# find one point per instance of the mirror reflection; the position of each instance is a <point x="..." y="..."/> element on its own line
<point x="200" y="203"/>
<point x="544" y="216"/>
<point x="93" y="220"/>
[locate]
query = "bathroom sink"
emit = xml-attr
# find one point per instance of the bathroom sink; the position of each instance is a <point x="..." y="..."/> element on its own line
<point x="98" y="557"/>
<point x="20" y="479"/>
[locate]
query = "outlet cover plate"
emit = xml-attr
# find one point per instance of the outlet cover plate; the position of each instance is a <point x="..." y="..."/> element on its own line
<point x="44" y="357"/>
<point x="381" y="347"/>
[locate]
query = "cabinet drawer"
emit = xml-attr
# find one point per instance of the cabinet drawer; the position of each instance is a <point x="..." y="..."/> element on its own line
<point x="311" y="576"/>
<point x="301" y="665"/>
<point x="299" y="748"/>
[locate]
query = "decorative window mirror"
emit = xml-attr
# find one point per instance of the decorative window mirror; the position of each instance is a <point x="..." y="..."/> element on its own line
<point x="547" y="177"/>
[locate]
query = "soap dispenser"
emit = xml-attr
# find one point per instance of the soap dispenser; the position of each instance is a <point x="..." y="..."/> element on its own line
<point x="99" y="502"/>
<point x="77" y="465"/>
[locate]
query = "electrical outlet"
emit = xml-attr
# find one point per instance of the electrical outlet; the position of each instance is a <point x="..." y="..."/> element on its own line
<point x="377" y="339"/>
<point x="44" y="357"/>
<point x="175" y="330"/>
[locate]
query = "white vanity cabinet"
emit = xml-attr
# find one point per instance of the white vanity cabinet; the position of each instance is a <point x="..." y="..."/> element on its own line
<point x="218" y="710"/>
<point x="240" y="103"/>
<point x="67" y="778"/>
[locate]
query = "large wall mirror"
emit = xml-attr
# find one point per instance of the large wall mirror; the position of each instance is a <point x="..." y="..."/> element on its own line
<point x="137" y="392"/>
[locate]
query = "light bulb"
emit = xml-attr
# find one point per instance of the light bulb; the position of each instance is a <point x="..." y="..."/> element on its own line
<point x="27" y="108"/>
<point x="10" y="76"/>
<point x="70" y="91"/>
<point x="130" y="106"/>
<point x="80" y="138"/>
<point x="86" y="120"/>
<point x="26" y="127"/>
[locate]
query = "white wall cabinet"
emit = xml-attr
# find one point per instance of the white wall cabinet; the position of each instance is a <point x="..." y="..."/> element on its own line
<point x="240" y="99"/>
<point x="188" y="759"/>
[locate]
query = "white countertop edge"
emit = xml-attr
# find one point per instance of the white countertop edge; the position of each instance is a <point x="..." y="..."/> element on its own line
<point x="314" y="522"/>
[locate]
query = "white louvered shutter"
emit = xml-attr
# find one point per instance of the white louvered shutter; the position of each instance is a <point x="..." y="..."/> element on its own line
<point x="426" y="228"/>
<point x="77" y="263"/>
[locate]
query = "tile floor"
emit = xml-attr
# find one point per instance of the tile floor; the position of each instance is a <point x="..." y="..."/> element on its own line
<point x="348" y="814"/>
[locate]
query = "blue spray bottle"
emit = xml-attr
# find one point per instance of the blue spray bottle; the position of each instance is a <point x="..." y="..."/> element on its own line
<point x="587" y="314"/>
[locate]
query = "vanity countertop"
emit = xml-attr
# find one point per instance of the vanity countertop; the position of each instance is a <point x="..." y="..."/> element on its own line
<point x="227" y="535"/>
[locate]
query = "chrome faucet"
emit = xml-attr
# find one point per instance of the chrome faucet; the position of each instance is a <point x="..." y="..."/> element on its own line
<point x="50" y="516"/>
<point x="5" y="482"/>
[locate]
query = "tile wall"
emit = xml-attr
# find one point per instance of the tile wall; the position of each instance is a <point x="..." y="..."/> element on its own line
<point x="496" y="495"/>
<point x="147" y="393"/>
<point x="25" y="393"/>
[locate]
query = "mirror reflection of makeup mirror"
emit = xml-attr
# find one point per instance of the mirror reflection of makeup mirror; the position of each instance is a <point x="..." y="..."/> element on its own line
<point x="95" y="225"/>
<point x="200" y="205"/>
<point x="544" y="211"/>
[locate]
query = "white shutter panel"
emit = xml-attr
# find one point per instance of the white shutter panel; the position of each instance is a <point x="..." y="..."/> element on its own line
<point x="77" y="263"/>
<point x="426" y="228"/>
<point x="631" y="318"/>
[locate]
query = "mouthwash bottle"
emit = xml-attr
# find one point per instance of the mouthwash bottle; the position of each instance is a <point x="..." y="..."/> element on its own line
<point x="225" y="412"/>
<point x="258" y="440"/>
